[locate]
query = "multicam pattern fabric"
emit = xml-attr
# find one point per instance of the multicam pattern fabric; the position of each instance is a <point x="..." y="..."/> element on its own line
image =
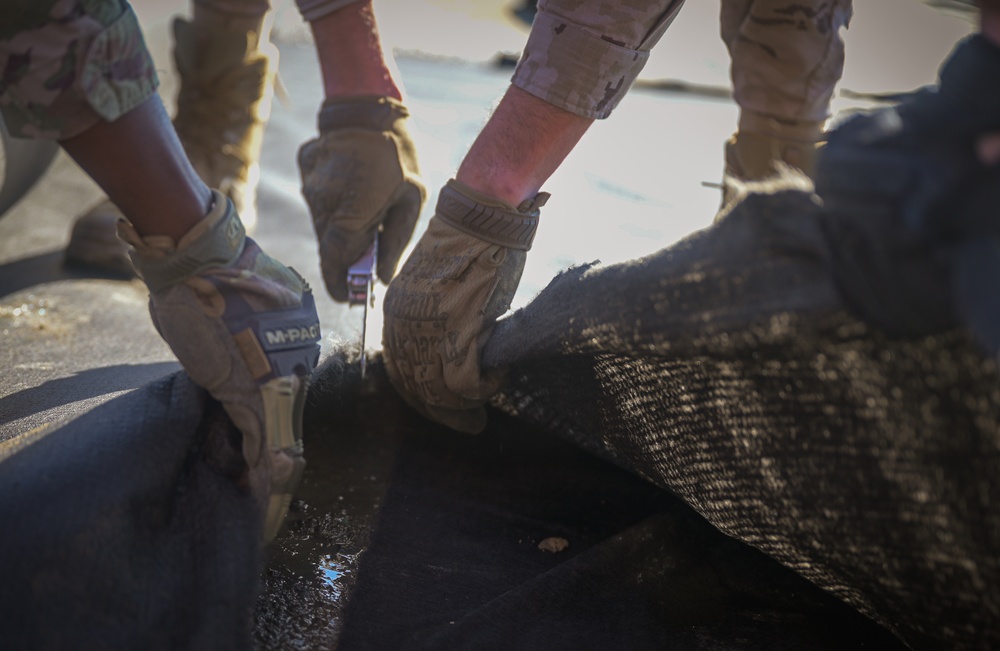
<point x="66" y="64"/>
<point x="441" y="308"/>
<point x="583" y="55"/>
<point x="787" y="57"/>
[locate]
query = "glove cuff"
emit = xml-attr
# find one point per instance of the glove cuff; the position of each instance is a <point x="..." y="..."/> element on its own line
<point x="495" y="222"/>
<point x="217" y="241"/>
<point x="371" y="112"/>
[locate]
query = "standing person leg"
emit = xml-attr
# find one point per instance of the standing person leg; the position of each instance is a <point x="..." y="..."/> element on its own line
<point x="786" y="61"/>
<point x="227" y="68"/>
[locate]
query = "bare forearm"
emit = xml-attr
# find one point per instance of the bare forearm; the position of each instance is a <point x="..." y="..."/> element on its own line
<point x="350" y="53"/>
<point x="168" y="202"/>
<point x="524" y="142"/>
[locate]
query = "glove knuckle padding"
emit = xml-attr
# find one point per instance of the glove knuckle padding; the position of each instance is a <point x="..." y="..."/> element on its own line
<point x="245" y="328"/>
<point x="353" y="174"/>
<point x="199" y="344"/>
<point x="360" y="174"/>
<point x="442" y="307"/>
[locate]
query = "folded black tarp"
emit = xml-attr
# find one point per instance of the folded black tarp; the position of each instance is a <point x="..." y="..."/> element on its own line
<point x="127" y="529"/>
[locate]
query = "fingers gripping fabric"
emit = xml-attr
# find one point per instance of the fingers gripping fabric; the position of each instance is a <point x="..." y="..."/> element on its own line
<point x="223" y="104"/>
<point x="361" y="179"/>
<point x="245" y="328"/>
<point x="441" y="308"/>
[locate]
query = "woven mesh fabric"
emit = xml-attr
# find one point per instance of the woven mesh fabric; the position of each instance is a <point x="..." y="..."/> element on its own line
<point x="726" y="369"/>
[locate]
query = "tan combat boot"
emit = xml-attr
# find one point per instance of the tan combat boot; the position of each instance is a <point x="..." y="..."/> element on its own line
<point x="227" y="83"/>
<point x="762" y="147"/>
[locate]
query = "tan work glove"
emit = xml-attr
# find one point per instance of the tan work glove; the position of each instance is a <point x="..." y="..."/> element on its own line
<point x="441" y="308"/>
<point x="360" y="177"/>
<point x="244" y="326"/>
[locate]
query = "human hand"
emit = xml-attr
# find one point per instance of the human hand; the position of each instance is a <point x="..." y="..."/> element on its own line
<point x="360" y="178"/>
<point x="244" y="327"/>
<point x="441" y="308"/>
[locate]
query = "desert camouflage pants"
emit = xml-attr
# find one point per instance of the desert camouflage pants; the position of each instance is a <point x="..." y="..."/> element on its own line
<point x="787" y="58"/>
<point x="583" y="55"/>
<point x="67" y="64"/>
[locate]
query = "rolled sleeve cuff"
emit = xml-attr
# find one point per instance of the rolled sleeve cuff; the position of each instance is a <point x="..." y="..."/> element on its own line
<point x="575" y="70"/>
<point x="101" y="73"/>
<point x="314" y="9"/>
<point x="118" y="72"/>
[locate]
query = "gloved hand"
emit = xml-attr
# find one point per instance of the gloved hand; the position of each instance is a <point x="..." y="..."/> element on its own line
<point x="911" y="212"/>
<point x="245" y="328"/>
<point x="360" y="177"/>
<point x="441" y="308"/>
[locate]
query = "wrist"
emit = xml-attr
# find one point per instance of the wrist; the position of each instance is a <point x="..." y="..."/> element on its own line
<point x="520" y="147"/>
<point x="488" y="218"/>
<point x="371" y="112"/>
<point x="509" y="190"/>
<point x="350" y="54"/>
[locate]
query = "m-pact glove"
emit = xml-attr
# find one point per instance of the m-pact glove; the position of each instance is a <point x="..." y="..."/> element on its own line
<point x="441" y="308"/>
<point x="244" y="327"/>
<point x="360" y="178"/>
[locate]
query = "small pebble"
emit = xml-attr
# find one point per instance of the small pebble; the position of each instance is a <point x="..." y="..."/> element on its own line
<point x="554" y="545"/>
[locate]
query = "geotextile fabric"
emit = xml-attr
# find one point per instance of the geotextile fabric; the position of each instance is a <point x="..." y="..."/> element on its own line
<point x="727" y="370"/>
<point x="464" y="557"/>
<point x="128" y="528"/>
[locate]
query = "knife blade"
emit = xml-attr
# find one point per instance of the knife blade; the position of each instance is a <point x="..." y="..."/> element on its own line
<point x="361" y="276"/>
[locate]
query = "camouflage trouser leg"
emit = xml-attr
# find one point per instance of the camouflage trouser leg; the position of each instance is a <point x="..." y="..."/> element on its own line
<point x="787" y="57"/>
<point x="68" y="64"/>
<point x="583" y="55"/>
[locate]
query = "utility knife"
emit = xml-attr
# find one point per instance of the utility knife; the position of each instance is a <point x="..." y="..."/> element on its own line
<point x="361" y="288"/>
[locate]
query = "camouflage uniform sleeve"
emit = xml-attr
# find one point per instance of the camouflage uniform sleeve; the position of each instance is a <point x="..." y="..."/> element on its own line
<point x="67" y="64"/>
<point x="583" y="55"/>
<point x="313" y="9"/>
